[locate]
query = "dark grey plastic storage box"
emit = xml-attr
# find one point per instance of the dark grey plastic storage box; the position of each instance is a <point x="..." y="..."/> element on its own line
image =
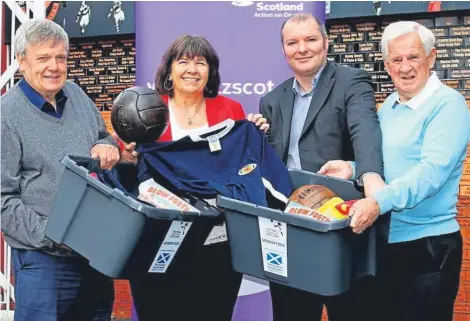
<point x="322" y="257"/>
<point x="118" y="234"/>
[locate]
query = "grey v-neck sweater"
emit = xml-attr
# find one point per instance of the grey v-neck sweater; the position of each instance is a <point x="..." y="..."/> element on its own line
<point x="32" y="145"/>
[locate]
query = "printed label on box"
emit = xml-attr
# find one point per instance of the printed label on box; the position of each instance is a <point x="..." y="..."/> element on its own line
<point x="218" y="233"/>
<point x="172" y="241"/>
<point x="334" y="209"/>
<point x="153" y="193"/>
<point x="273" y="238"/>
<point x="296" y="208"/>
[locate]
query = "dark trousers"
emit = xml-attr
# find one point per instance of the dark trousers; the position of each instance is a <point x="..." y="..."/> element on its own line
<point x="420" y="279"/>
<point x="356" y="304"/>
<point x="290" y="304"/>
<point x="203" y="289"/>
<point x="55" y="288"/>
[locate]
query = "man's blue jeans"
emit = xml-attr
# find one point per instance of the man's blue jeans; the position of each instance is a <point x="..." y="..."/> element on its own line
<point x="55" y="288"/>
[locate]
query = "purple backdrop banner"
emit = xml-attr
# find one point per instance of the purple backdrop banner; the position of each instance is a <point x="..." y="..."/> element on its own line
<point x="246" y="36"/>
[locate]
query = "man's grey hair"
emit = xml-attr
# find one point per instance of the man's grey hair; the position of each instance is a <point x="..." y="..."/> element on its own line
<point x="299" y="17"/>
<point x="400" y="28"/>
<point x="35" y="31"/>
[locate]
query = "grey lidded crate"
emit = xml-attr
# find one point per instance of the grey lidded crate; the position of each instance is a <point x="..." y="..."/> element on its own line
<point x="115" y="232"/>
<point x="322" y="257"/>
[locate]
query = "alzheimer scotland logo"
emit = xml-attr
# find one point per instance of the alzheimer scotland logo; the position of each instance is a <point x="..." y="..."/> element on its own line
<point x="272" y="9"/>
<point x="242" y="3"/>
<point x="274" y="258"/>
<point x="164" y="258"/>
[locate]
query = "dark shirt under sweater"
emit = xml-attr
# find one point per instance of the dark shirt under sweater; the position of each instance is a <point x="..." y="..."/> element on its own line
<point x="32" y="146"/>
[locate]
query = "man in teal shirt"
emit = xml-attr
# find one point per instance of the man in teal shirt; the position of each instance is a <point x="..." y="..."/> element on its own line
<point x="426" y="130"/>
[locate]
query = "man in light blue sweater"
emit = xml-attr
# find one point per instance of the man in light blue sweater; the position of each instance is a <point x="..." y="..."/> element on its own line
<point x="426" y="130"/>
<point x="43" y="118"/>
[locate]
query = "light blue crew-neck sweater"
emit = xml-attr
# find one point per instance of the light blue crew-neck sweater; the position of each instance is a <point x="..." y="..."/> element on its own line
<point x="424" y="149"/>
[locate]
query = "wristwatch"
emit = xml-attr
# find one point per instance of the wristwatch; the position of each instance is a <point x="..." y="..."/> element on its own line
<point x="360" y="180"/>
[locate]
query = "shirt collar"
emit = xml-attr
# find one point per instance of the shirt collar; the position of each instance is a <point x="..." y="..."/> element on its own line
<point x="429" y="89"/>
<point x="36" y="99"/>
<point x="296" y="86"/>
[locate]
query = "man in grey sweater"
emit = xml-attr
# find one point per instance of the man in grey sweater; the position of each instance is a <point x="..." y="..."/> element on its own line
<point x="43" y="118"/>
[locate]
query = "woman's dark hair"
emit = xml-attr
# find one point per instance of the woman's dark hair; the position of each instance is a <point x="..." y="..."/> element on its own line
<point x="189" y="46"/>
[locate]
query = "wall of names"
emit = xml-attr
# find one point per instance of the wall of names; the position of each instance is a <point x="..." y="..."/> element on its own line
<point x="358" y="45"/>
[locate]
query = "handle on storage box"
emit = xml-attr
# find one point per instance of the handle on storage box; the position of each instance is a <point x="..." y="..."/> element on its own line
<point x="204" y="206"/>
<point x="82" y="165"/>
<point x="91" y="164"/>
